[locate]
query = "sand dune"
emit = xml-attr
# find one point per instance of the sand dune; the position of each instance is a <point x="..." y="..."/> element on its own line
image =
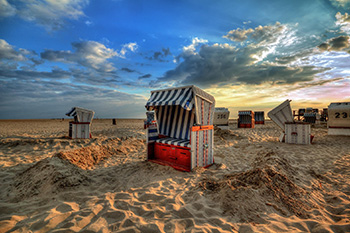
<point x="50" y="183"/>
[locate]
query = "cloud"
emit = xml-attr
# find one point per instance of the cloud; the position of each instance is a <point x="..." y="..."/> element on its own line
<point x="223" y="64"/>
<point x="341" y="3"/>
<point x="8" y="52"/>
<point x="88" y="22"/>
<point x="132" y="46"/>
<point x="32" y="74"/>
<point x="190" y="49"/>
<point x="90" y="54"/>
<point x="110" y="79"/>
<point x="48" y="13"/>
<point x="267" y="39"/>
<point x="11" y="58"/>
<point x="343" y="21"/>
<point x="52" y="99"/>
<point x="6" y="9"/>
<point x="145" y="76"/>
<point x="297" y="58"/>
<point x="239" y="34"/>
<point x="266" y="34"/>
<point x="220" y="65"/>
<point x="127" y="70"/>
<point x="340" y="43"/>
<point x="160" y="55"/>
<point x="89" y="63"/>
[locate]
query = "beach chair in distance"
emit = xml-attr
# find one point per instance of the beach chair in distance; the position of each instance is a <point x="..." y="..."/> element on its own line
<point x="180" y="133"/>
<point x="80" y="126"/>
<point x="310" y="117"/>
<point x="300" y="115"/>
<point x="339" y="119"/>
<point x="324" y="115"/>
<point x="221" y="118"/>
<point x="259" y="117"/>
<point x="293" y="132"/>
<point x="246" y="119"/>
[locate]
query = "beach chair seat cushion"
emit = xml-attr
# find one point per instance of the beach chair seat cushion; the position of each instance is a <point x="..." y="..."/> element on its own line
<point x="175" y="141"/>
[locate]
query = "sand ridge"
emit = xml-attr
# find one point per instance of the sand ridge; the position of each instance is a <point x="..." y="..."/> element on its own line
<point x="50" y="183"/>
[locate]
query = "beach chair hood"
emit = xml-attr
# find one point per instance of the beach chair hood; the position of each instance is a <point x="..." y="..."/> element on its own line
<point x="281" y="114"/>
<point x="186" y="98"/>
<point x="81" y="114"/>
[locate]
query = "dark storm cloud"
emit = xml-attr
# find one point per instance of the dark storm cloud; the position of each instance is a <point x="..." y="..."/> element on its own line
<point x="223" y="64"/>
<point x="341" y="43"/>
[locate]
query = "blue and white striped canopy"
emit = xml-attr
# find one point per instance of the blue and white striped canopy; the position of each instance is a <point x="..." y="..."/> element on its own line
<point x="175" y="96"/>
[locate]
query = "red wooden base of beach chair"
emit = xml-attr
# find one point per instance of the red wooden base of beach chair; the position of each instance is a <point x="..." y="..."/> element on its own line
<point x="245" y="125"/>
<point x="259" y="122"/>
<point x="177" y="157"/>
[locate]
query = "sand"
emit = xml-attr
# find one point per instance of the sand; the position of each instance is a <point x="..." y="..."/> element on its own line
<point x="49" y="183"/>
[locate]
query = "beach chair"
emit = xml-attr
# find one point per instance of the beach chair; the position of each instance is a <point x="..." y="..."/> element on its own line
<point x="259" y="117"/>
<point x="324" y="115"/>
<point x="80" y="126"/>
<point x="246" y="119"/>
<point x="180" y="133"/>
<point x="221" y="118"/>
<point x="310" y="117"/>
<point x="339" y="119"/>
<point x="293" y="132"/>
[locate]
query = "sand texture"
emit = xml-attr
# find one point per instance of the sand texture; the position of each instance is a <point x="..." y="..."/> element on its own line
<point x="50" y="183"/>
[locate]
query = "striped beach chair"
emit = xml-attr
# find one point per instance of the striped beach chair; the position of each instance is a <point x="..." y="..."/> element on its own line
<point x="246" y="119"/>
<point x="80" y="126"/>
<point x="259" y="117"/>
<point x="182" y="135"/>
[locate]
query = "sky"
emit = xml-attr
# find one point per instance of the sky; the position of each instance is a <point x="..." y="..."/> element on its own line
<point x="108" y="55"/>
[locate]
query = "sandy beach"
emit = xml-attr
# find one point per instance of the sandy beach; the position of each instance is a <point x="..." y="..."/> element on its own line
<point x="50" y="183"/>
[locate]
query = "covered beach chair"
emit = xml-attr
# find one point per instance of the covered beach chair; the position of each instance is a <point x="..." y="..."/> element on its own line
<point x="80" y="126"/>
<point x="221" y="118"/>
<point x="180" y="133"/>
<point x="310" y="117"/>
<point x="246" y="119"/>
<point x="259" y="117"/>
<point x="339" y="118"/>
